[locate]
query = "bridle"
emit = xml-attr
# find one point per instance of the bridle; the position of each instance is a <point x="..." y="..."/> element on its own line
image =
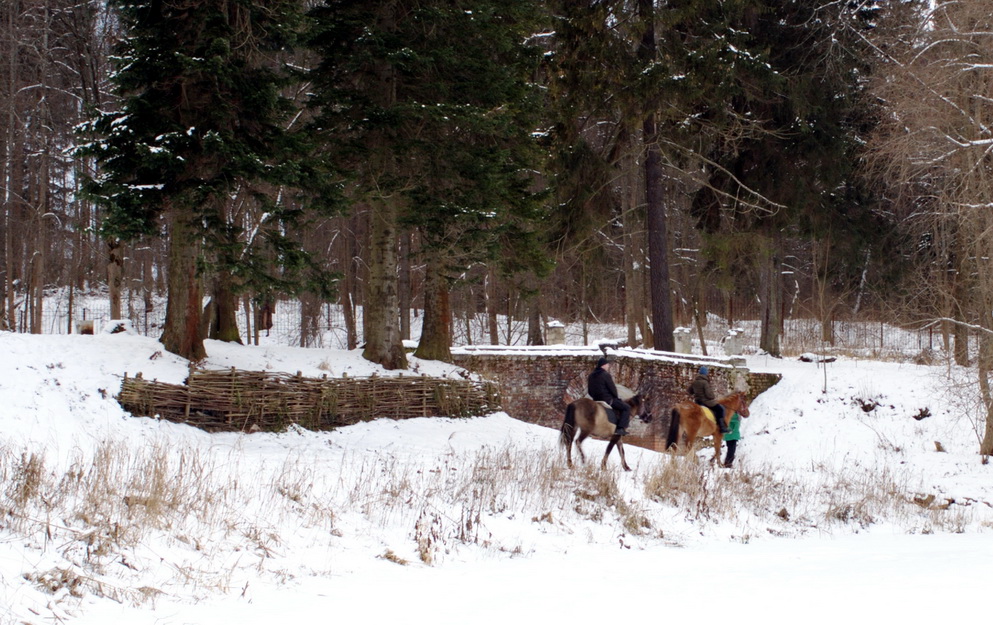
<point x="742" y="408"/>
<point x="643" y="413"/>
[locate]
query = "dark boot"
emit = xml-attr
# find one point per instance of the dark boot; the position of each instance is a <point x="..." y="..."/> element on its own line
<point x="721" y="426"/>
<point x="623" y="419"/>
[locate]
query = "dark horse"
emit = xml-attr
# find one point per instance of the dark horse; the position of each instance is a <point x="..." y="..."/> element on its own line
<point x="591" y="419"/>
<point x="696" y="421"/>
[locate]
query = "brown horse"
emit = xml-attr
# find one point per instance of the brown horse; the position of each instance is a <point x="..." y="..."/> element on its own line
<point x="591" y="419"/>
<point x="691" y="419"/>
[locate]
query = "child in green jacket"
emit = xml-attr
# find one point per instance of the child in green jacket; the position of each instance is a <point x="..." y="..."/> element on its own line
<point x="732" y="438"/>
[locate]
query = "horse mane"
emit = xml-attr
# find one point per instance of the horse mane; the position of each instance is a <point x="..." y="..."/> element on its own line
<point x="730" y="396"/>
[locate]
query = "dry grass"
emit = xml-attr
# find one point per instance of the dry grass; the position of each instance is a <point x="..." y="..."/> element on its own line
<point x="790" y="504"/>
<point x="100" y="511"/>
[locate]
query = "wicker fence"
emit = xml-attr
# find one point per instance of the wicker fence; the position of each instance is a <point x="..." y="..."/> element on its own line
<point x="255" y="401"/>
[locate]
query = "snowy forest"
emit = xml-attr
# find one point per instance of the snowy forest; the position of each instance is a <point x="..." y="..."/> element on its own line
<point x="651" y="163"/>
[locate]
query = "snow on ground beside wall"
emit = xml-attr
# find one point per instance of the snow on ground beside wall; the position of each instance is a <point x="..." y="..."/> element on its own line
<point x="477" y="520"/>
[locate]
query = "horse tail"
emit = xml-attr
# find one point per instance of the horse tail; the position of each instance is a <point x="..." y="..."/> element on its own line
<point x="568" y="426"/>
<point x="673" y="436"/>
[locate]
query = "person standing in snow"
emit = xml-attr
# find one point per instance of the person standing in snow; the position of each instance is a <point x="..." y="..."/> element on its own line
<point x="732" y="438"/>
<point x="600" y="387"/>
<point x="704" y="395"/>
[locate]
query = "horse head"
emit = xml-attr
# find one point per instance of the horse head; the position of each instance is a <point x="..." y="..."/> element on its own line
<point x="639" y="407"/>
<point x="741" y="403"/>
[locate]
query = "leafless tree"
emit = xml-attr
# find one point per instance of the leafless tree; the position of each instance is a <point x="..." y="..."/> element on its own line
<point x="53" y="73"/>
<point x="937" y="146"/>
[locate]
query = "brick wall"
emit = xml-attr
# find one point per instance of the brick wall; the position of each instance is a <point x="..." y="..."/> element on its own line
<point x="537" y="383"/>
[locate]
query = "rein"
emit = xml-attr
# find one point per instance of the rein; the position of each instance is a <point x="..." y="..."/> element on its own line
<point x="740" y="407"/>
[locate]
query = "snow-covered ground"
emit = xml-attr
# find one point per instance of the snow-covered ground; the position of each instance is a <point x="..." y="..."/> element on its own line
<point x="831" y="511"/>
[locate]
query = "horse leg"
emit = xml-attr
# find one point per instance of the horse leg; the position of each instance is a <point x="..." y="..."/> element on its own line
<point x="568" y="432"/>
<point x="566" y="440"/>
<point x="672" y="436"/>
<point x="582" y="437"/>
<point x="718" y="439"/>
<point x="614" y="440"/>
<point x="620" y="450"/>
<point x="691" y="432"/>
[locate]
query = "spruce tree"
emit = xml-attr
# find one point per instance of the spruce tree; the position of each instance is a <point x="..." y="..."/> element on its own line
<point x="429" y="106"/>
<point x="201" y="120"/>
<point x="795" y="167"/>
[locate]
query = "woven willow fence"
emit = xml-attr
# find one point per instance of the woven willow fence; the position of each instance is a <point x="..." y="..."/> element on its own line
<point x="236" y="400"/>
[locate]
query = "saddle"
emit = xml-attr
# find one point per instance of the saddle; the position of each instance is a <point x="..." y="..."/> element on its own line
<point x="611" y="413"/>
<point x="707" y="412"/>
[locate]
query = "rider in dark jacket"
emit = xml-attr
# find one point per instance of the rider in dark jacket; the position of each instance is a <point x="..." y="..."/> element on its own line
<point x="600" y="386"/>
<point x="704" y="395"/>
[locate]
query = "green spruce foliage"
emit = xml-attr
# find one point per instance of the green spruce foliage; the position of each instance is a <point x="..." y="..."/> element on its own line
<point x="201" y="133"/>
<point x="431" y="108"/>
<point x="779" y="121"/>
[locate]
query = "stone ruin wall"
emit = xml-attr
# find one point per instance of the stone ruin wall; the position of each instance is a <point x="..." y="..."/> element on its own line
<point x="536" y="384"/>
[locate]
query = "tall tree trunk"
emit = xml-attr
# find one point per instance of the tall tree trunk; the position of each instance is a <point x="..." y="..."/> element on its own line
<point x="647" y="335"/>
<point x="224" y="323"/>
<point x="984" y="370"/>
<point x="348" y="310"/>
<point x="658" y="244"/>
<point x="630" y="292"/>
<point x="251" y="329"/>
<point x="380" y="318"/>
<point x="18" y="225"/>
<point x="984" y="361"/>
<point x="147" y="283"/>
<point x="310" y="320"/>
<point x="633" y="261"/>
<point x="37" y="289"/>
<point x="380" y="312"/>
<point x="491" y="309"/>
<point x="468" y="312"/>
<point x="115" y="265"/>
<point x="771" y="292"/>
<point x="821" y="256"/>
<point x="404" y="286"/>
<point x="348" y="291"/>
<point x="960" y="304"/>
<point x="961" y="335"/>
<point x="699" y="314"/>
<point x="436" y="334"/>
<point x="509" y="317"/>
<point x="41" y="182"/>
<point x="533" y="304"/>
<point x="535" y="336"/>
<point x="645" y="312"/>
<point x="184" y="302"/>
<point x="7" y="321"/>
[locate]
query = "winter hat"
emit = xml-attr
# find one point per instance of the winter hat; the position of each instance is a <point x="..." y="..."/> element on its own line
<point x="703" y="370"/>
<point x="604" y="360"/>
